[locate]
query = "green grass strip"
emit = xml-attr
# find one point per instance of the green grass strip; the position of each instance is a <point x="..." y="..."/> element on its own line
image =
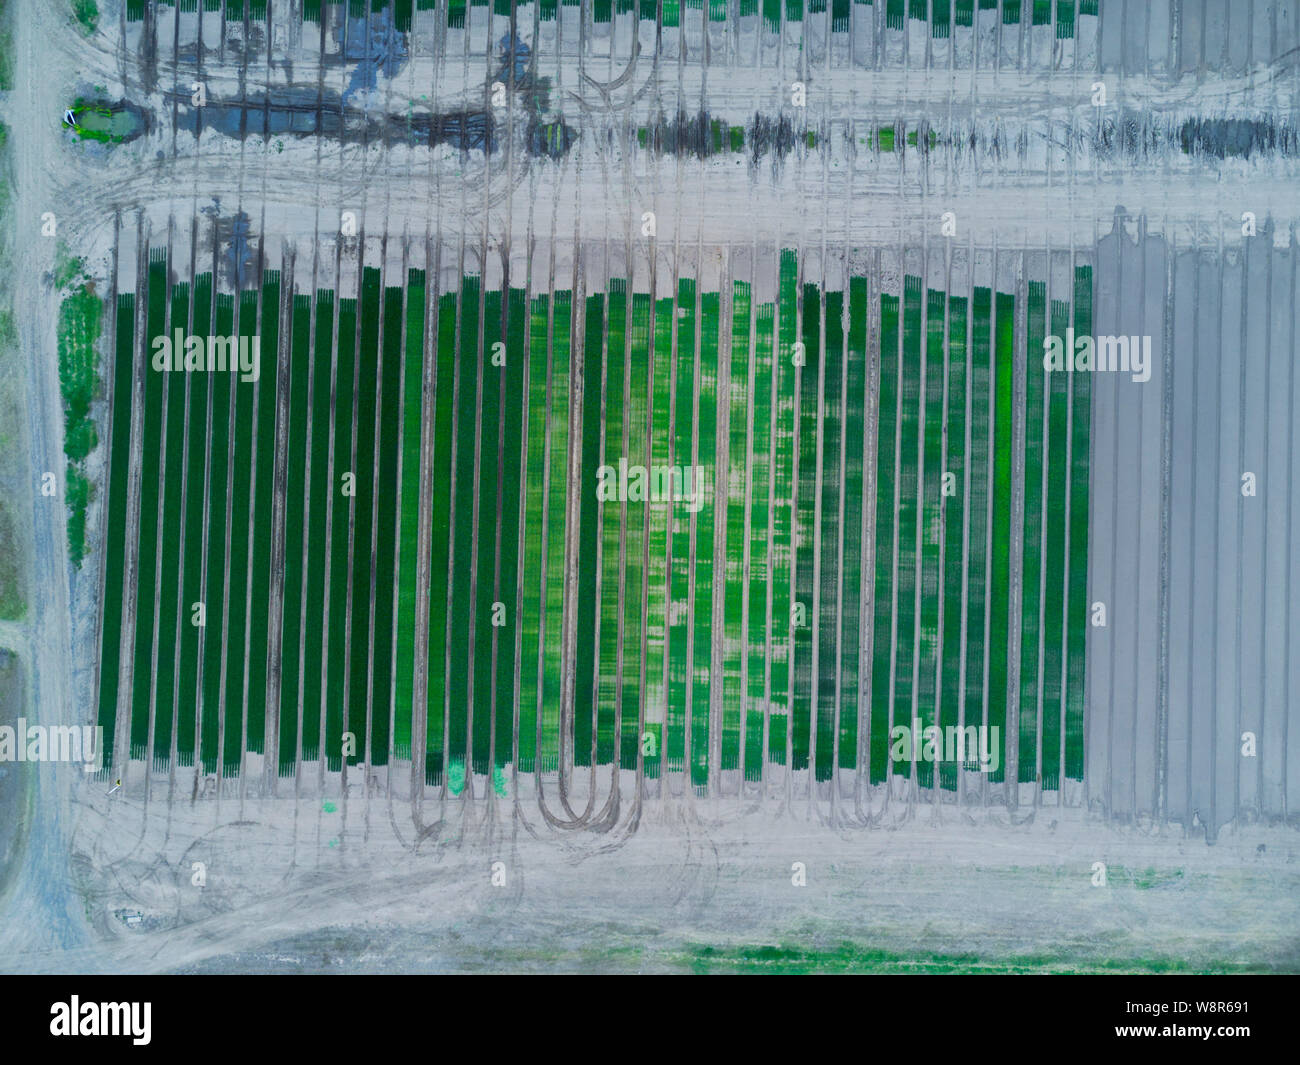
<point x="152" y="427"/>
<point x="197" y="452"/>
<point x="1064" y="19"/>
<point x="463" y="493"/>
<point x="119" y="470"/>
<point x="585" y="650"/>
<point x="558" y="430"/>
<point x="514" y="414"/>
<point x="440" y="561"/>
<point x="954" y="532"/>
<point x="171" y="609"/>
<point x="886" y="527"/>
<point x="855" y="401"/>
<point x="263" y="510"/>
<point x="783" y="429"/>
<point x="412" y="390"/>
<point x="1032" y="556"/>
<point x="703" y="491"/>
<point x="941" y="19"/>
<point x="363" y="469"/>
<point x="932" y="470"/>
<point x="736" y="528"/>
<point x="344" y="507"/>
<point x="803" y="539"/>
<point x="80" y="315"/>
<point x="218" y="537"/>
<point x="1000" y="561"/>
<point x="534" y="517"/>
<point x="760" y="574"/>
<point x="612" y="514"/>
<point x="638" y="410"/>
<point x="657" y="582"/>
<point x="489" y="486"/>
<point x="409" y="544"/>
<point x="909" y="459"/>
<point x="1058" y="492"/>
<point x="1080" y="403"/>
<point x="679" y="619"/>
<point x="315" y="661"/>
<point x="240" y="524"/>
<point x="291" y="623"/>
<point x="828" y="618"/>
<point x="389" y="497"/>
<point x="982" y="403"/>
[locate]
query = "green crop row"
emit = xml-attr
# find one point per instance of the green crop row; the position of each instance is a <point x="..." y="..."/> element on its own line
<point x="723" y="631"/>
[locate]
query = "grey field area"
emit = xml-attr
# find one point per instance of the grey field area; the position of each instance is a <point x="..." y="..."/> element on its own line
<point x="377" y="655"/>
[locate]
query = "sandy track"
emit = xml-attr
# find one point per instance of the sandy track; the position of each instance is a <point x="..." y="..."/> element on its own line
<point x="46" y="914"/>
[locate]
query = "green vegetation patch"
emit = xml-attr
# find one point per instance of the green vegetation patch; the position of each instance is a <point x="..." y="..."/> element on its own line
<point x="13" y="604"/>
<point x="86" y="12"/>
<point x="80" y="319"/>
<point x="848" y="957"/>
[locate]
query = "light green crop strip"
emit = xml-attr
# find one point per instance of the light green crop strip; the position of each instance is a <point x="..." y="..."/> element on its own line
<point x="657" y="602"/>
<point x="981" y="409"/>
<point x="613" y="515"/>
<point x="953" y="528"/>
<point x="760" y="574"/>
<point x="557" y="479"/>
<point x="679" y="619"/>
<point x="855" y="405"/>
<point x="534" y="500"/>
<point x="412" y="397"/>
<point x="638" y="388"/>
<point x="932" y="469"/>
<point x="1076" y="626"/>
<point x="886" y="528"/>
<point x="1000" y="561"/>
<point x="1058" y="492"/>
<point x="831" y="484"/>
<point x="804" y="616"/>
<point x="736" y="529"/>
<point x="1032" y="556"/>
<point x="704" y="491"/>
<point x="783" y="429"/>
<point x="909" y="459"/>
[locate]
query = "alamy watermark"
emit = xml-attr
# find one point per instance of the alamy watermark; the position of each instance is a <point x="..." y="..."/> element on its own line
<point x="241" y="355"/>
<point x="974" y="746"/>
<point x="53" y="743"/>
<point x="102" y="1018"/>
<point x="1108" y="354"/>
<point x="652" y="484"/>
